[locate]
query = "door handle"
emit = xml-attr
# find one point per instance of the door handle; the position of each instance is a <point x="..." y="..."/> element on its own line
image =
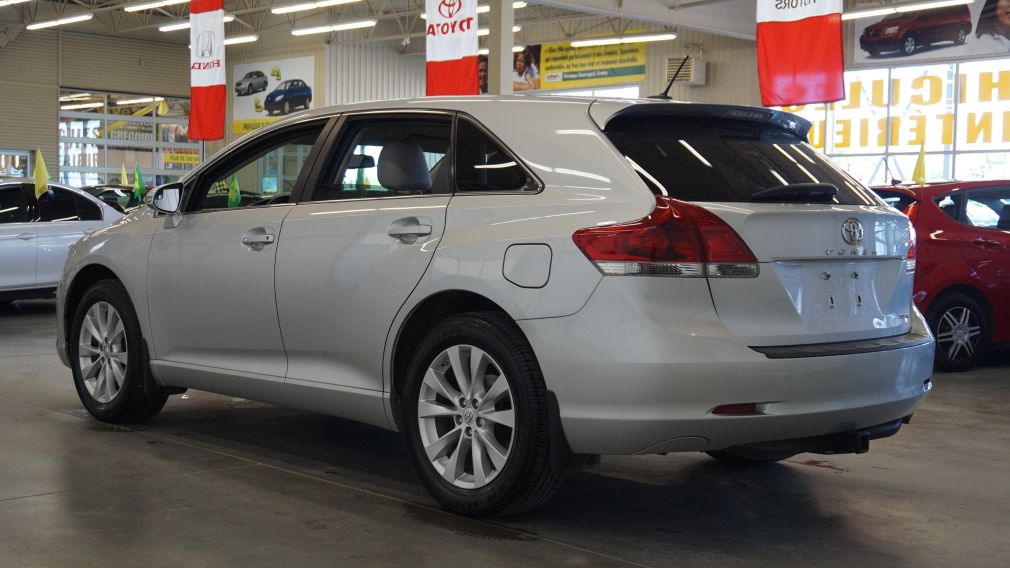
<point x="410" y="232"/>
<point x="983" y="243"/>
<point x="253" y="240"/>
<point x="26" y="236"/>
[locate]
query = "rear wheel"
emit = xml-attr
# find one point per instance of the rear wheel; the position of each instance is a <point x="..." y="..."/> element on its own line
<point x="476" y="417"/>
<point x="908" y="45"/>
<point x="107" y="357"/>
<point x="959" y="324"/>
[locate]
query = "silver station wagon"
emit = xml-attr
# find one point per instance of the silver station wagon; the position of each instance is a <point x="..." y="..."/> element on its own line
<point x="517" y="284"/>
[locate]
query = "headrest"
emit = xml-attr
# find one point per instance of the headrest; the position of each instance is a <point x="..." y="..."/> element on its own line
<point x="402" y="167"/>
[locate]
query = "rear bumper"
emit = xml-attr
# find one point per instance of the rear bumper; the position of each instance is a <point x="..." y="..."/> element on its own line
<point x="641" y="367"/>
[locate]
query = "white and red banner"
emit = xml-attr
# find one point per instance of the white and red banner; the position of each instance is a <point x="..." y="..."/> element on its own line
<point x="451" y="45"/>
<point x="800" y="51"/>
<point x="207" y="76"/>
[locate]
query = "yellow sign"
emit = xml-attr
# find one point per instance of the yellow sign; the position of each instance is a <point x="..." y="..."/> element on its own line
<point x="182" y="158"/>
<point x="249" y="124"/>
<point x="565" y="67"/>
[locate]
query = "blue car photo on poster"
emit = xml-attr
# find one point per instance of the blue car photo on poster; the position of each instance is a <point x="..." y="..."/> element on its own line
<point x="288" y="96"/>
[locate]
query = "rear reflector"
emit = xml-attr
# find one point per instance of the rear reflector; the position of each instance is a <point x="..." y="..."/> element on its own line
<point x="912" y="250"/>
<point x="745" y="408"/>
<point x="676" y="239"/>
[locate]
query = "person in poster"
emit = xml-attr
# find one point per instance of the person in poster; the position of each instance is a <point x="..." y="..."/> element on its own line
<point x="525" y="75"/>
<point x="993" y="29"/>
<point x="482" y="74"/>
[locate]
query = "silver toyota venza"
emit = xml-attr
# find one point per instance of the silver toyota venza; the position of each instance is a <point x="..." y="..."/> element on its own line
<point x="518" y="285"/>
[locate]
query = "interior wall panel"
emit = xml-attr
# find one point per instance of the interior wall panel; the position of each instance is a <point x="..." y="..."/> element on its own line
<point x="29" y="70"/>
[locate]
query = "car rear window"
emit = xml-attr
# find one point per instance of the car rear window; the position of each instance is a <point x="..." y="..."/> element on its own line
<point x="724" y="160"/>
<point x="896" y="199"/>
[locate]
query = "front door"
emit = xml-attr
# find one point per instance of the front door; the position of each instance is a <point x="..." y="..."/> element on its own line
<point x="211" y="276"/>
<point x="17" y="239"/>
<point x="353" y="250"/>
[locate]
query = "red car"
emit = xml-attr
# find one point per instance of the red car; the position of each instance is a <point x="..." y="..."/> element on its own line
<point x="962" y="281"/>
<point x="904" y="32"/>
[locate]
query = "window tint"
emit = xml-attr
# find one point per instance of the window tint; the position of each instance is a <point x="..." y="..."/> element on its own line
<point x="950" y="204"/>
<point x="86" y="210"/>
<point x="388" y="158"/>
<point x="725" y="160"/>
<point x="483" y="165"/>
<point x="895" y="199"/>
<point x="58" y="205"/>
<point x="267" y="168"/>
<point x="989" y="208"/>
<point x="13" y="204"/>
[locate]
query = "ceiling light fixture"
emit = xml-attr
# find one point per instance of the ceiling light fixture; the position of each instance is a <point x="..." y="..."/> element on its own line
<point x="485" y="31"/>
<point x="486" y="51"/>
<point x="81" y="106"/>
<point x="75" y="97"/>
<point x="873" y="12"/>
<point x="241" y="39"/>
<point x="60" y="22"/>
<point x="626" y="39"/>
<point x="152" y="5"/>
<point x="309" y="6"/>
<point x="334" y="28"/>
<point x="140" y="101"/>
<point x="484" y="8"/>
<point x="185" y="25"/>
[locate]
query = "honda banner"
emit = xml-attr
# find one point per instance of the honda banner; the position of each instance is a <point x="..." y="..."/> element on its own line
<point x="451" y="38"/>
<point x="206" y="67"/>
<point x="799" y="50"/>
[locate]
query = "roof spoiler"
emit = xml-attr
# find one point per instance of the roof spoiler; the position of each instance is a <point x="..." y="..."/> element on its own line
<point x="603" y="112"/>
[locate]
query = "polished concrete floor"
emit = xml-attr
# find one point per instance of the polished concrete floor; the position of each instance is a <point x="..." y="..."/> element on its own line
<point x="218" y="481"/>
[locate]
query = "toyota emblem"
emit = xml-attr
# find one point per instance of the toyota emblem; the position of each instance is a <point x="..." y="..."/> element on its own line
<point x="449" y="8"/>
<point x="852" y="231"/>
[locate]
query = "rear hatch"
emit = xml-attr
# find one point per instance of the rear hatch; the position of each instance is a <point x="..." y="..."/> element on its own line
<point x="833" y="258"/>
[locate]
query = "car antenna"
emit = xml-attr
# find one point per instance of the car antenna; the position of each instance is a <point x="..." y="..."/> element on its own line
<point x="664" y="96"/>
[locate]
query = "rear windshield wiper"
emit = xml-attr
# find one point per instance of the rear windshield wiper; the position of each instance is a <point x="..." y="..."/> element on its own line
<point x="798" y="193"/>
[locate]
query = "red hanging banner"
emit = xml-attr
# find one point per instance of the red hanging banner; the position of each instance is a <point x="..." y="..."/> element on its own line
<point x="451" y="46"/>
<point x="800" y="51"/>
<point x="206" y="69"/>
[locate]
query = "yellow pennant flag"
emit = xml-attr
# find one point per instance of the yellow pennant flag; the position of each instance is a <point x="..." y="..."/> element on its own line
<point x="41" y="175"/>
<point x="919" y="173"/>
<point x="123" y="178"/>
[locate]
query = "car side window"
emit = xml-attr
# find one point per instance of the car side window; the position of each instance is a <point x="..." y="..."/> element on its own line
<point x="388" y="157"/>
<point x="13" y="204"/>
<point x="58" y="205"/>
<point x="86" y="210"/>
<point x="262" y="170"/>
<point x="482" y="164"/>
<point x="988" y="208"/>
<point x="950" y="204"/>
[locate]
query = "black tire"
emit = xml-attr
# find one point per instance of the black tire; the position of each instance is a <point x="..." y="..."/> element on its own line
<point x="961" y="37"/>
<point x="528" y="477"/>
<point x="948" y="356"/>
<point x="908" y="48"/>
<point x="737" y="459"/>
<point x="133" y="402"/>
<point x="872" y="51"/>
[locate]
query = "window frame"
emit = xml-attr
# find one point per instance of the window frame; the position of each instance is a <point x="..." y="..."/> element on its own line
<point x="508" y="151"/>
<point x="964" y="205"/>
<point x="336" y="144"/>
<point x="30" y="209"/>
<point x="960" y="195"/>
<point x="233" y="156"/>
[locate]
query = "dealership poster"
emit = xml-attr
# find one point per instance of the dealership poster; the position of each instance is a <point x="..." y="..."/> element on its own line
<point x="266" y="91"/>
<point x="800" y="53"/>
<point x="978" y="29"/>
<point x="553" y="66"/>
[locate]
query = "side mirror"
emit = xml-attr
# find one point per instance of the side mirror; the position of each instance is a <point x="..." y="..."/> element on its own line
<point x="164" y="199"/>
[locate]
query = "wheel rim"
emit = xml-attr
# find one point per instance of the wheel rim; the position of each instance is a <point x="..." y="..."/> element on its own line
<point x="102" y="352"/>
<point x="961" y="36"/>
<point x="958" y="333"/>
<point x="287" y="108"/>
<point x="466" y="417"/>
<point x="909" y="45"/>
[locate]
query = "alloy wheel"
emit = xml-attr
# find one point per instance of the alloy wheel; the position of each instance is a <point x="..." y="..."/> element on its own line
<point x="910" y="45"/>
<point x="466" y="416"/>
<point x="958" y="333"/>
<point x="102" y="353"/>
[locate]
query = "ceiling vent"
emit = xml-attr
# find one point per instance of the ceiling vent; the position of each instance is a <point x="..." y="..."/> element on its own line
<point x="694" y="73"/>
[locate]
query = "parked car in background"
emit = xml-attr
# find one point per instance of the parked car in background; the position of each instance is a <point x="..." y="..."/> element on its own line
<point x="288" y="96"/>
<point x="35" y="235"/>
<point x="962" y="280"/>
<point x="905" y="32"/>
<point x="251" y="82"/>
<point x="664" y="277"/>
<point x="119" y="197"/>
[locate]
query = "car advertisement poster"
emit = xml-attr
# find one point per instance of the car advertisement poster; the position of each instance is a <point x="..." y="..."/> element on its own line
<point x="553" y="66"/>
<point x="978" y="29"/>
<point x="266" y="91"/>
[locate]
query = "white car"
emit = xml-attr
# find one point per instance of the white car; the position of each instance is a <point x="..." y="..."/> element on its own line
<point x="36" y="233"/>
<point x="519" y="285"/>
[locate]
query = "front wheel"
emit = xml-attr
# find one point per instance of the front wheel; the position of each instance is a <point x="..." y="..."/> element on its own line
<point x="476" y="417"/>
<point x="908" y="45"/>
<point x="960" y="326"/>
<point x="287" y="107"/>
<point x="962" y="36"/>
<point x="107" y="357"/>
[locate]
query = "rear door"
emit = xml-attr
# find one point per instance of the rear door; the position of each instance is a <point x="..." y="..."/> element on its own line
<point x="353" y="250"/>
<point x="985" y="243"/>
<point x="831" y="268"/>
<point x="17" y="238"/>
<point x="64" y="217"/>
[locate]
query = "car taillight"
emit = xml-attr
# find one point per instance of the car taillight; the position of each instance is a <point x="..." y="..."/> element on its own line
<point x="910" y="258"/>
<point x="911" y="211"/>
<point x="676" y="239"/>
